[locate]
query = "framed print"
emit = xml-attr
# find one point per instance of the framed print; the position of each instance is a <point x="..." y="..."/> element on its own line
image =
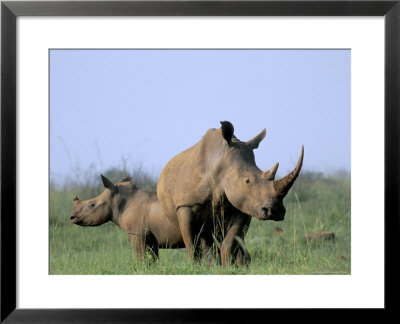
<point x="95" y="91"/>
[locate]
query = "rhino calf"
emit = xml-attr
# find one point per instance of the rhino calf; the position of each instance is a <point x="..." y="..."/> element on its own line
<point x="135" y="211"/>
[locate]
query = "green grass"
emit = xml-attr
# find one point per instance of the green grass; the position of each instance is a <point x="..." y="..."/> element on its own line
<point x="315" y="203"/>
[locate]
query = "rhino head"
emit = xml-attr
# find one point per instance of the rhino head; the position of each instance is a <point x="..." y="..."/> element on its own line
<point x="101" y="209"/>
<point x="248" y="188"/>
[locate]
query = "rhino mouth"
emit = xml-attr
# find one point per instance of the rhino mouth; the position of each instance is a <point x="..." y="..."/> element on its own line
<point x="273" y="218"/>
<point x="264" y="217"/>
<point x="264" y="213"/>
<point x="75" y="220"/>
<point x="268" y="213"/>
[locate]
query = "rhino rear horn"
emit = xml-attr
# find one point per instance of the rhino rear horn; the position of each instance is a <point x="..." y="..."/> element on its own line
<point x="282" y="186"/>
<point x="227" y="131"/>
<point x="270" y="174"/>
<point x="255" y="141"/>
<point x="108" y="184"/>
<point x="76" y="198"/>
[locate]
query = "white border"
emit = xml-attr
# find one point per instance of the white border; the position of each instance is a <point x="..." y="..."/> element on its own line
<point x="363" y="288"/>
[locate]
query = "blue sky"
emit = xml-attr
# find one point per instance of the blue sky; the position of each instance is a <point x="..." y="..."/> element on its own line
<point x="148" y="105"/>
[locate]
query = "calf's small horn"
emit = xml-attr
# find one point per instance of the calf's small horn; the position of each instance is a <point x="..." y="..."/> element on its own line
<point x="282" y="186"/>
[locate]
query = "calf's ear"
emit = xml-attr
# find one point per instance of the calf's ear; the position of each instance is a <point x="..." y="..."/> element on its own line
<point x="126" y="179"/>
<point x="108" y="184"/>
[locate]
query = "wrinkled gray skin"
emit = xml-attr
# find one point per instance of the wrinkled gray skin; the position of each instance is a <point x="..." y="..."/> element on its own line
<point x="135" y="211"/>
<point x="215" y="187"/>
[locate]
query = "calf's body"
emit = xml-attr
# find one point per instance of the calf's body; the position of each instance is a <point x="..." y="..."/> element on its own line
<point x="148" y="228"/>
<point x="135" y="211"/>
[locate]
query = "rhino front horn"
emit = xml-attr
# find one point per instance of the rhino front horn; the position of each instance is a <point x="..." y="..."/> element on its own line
<point x="282" y="186"/>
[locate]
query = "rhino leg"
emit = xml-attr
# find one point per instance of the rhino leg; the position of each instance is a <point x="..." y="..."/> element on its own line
<point x="208" y="249"/>
<point x="139" y="246"/>
<point x="243" y="257"/>
<point x="187" y="224"/>
<point x="145" y="245"/>
<point x="232" y="248"/>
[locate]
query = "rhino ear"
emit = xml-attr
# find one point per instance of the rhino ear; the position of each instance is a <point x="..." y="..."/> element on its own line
<point x="76" y="198"/>
<point x="255" y="141"/>
<point x="108" y="184"/>
<point x="126" y="179"/>
<point x="227" y="131"/>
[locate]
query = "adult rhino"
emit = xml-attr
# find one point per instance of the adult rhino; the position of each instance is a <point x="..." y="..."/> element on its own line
<point x="216" y="181"/>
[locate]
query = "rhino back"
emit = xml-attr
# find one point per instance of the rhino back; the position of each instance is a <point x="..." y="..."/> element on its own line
<point x="186" y="179"/>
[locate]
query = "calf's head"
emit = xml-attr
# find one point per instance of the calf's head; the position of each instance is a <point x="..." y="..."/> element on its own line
<point x="104" y="207"/>
<point x="249" y="189"/>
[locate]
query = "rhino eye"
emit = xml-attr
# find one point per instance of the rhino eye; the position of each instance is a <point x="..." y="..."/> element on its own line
<point x="91" y="205"/>
<point x="247" y="180"/>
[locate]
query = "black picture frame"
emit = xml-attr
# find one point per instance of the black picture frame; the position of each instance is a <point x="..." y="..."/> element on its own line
<point x="10" y="10"/>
